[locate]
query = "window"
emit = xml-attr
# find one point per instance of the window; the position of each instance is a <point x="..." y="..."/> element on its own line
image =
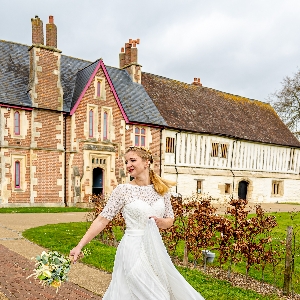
<point x="224" y="150"/>
<point x="17" y="174"/>
<point x="91" y="123"/>
<point x="227" y="188"/>
<point x="105" y="125"/>
<point x="217" y="148"/>
<point x="291" y="161"/>
<point x="98" y="89"/>
<point x="140" y="136"/>
<point x="17" y="123"/>
<point x="277" y="188"/>
<point x="199" y="186"/>
<point x="214" y="149"/>
<point x="170" y="145"/>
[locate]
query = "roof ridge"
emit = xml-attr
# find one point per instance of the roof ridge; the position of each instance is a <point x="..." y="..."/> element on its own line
<point x="76" y="58"/>
<point x="205" y="87"/>
<point x="14" y="43"/>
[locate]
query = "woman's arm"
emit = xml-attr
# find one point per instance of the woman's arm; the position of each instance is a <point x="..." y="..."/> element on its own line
<point x="163" y="223"/>
<point x="97" y="226"/>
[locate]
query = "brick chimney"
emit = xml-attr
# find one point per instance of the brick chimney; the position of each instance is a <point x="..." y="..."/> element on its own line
<point x="197" y="82"/>
<point x="128" y="59"/>
<point x="45" y="87"/>
<point x="51" y="33"/>
<point x="37" y="31"/>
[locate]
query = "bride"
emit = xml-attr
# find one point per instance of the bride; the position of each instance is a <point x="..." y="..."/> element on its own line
<point x="142" y="269"/>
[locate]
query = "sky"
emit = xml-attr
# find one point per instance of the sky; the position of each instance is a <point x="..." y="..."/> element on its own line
<point x="240" y="47"/>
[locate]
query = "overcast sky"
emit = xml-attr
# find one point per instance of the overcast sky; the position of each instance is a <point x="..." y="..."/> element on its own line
<point x="237" y="46"/>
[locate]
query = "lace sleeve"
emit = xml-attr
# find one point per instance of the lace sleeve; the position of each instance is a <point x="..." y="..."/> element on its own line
<point x="168" y="206"/>
<point x="114" y="203"/>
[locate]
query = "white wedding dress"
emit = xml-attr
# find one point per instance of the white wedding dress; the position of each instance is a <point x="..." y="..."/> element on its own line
<point x="143" y="269"/>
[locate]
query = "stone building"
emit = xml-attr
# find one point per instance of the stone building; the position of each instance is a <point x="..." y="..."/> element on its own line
<point x="65" y="124"/>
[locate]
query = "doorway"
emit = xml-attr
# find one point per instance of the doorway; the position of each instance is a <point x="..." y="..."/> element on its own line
<point x="97" y="181"/>
<point x="243" y="189"/>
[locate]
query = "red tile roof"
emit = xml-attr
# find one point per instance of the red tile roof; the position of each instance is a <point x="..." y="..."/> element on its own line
<point x="204" y="110"/>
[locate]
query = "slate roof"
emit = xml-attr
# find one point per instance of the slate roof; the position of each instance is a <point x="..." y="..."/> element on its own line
<point x="204" y="110"/>
<point x="135" y="101"/>
<point x="75" y="73"/>
<point x="82" y="78"/>
<point x="14" y="74"/>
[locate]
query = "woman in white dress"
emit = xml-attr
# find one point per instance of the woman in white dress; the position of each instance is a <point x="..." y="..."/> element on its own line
<point x="142" y="269"/>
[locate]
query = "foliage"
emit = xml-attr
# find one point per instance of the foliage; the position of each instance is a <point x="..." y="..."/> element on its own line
<point x="286" y="102"/>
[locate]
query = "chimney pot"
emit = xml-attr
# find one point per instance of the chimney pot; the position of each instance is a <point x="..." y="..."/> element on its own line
<point x="51" y="33"/>
<point x="197" y="82"/>
<point x="37" y="31"/>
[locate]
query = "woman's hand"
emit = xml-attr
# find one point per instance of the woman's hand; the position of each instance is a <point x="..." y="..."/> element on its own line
<point x="163" y="223"/>
<point x="75" y="253"/>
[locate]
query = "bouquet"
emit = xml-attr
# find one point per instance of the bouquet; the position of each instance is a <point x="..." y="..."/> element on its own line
<point x="52" y="269"/>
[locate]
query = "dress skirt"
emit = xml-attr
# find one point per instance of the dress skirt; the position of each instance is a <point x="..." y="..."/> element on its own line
<point x="143" y="270"/>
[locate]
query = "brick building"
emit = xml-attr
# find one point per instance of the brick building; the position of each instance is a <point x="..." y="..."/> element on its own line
<point x="66" y="122"/>
<point x="65" y="125"/>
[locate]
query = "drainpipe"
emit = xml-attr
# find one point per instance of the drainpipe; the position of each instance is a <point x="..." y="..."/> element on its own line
<point x="65" y="165"/>
<point x="176" y="160"/>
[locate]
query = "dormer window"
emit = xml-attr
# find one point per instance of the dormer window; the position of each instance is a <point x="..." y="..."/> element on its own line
<point x="17" y="123"/>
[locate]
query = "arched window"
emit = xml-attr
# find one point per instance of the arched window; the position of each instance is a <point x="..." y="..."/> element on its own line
<point x="105" y="125"/>
<point x="140" y="136"/>
<point x="91" y="123"/>
<point x="17" y="123"/>
<point x="17" y="174"/>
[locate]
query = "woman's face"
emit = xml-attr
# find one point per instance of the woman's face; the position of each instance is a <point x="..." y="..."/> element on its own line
<point x="135" y="165"/>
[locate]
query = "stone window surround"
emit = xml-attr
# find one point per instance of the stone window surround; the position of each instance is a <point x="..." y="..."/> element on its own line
<point x="100" y="80"/>
<point x="22" y="160"/>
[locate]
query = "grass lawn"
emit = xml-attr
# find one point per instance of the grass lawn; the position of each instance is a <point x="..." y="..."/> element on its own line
<point x="63" y="237"/>
<point x="9" y="210"/>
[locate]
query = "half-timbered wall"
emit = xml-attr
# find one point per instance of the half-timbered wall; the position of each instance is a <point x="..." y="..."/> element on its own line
<point x="271" y="171"/>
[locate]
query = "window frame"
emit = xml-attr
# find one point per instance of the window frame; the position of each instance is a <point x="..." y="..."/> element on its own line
<point x="17" y="174"/>
<point x="17" y="123"/>
<point x="214" y="149"/>
<point x="277" y="188"/>
<point x="199" y="186"/>
<point x="98" y="88"/>
<point x="140" y="137"/>
<point x="105" y="126"/>
<point x="91" y="123"/>
<point x="170" y="144"/>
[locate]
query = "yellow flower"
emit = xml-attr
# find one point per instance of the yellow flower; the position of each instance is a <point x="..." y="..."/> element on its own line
<point x="56" y="284"/>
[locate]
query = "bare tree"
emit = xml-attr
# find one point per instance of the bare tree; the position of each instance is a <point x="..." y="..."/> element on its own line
<point x="286" y="102"/>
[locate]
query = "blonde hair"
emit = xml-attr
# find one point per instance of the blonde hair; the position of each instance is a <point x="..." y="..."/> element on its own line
<point x="160" y="185"/>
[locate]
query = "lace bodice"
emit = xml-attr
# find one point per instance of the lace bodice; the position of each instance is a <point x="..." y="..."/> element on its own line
<point x="137" y="204"/>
